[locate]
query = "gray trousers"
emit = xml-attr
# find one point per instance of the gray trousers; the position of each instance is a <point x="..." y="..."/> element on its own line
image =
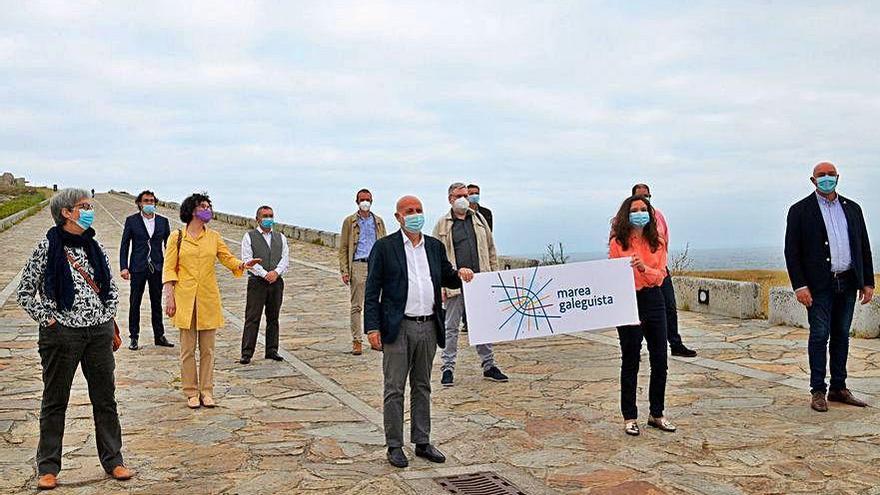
<point x="412" y="353"/>
<point x="454" y="314"/>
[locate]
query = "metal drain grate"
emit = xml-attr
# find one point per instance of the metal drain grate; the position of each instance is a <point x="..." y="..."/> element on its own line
<point x="485" y="483"/>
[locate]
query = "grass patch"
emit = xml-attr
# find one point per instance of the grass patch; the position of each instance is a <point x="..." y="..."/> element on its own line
<point x="21" y="202"/>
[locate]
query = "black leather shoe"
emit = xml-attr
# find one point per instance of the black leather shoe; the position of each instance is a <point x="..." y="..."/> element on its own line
<point x="163" y="342"/>
<point x="430" y="453"/>
<point x="134" y="344"/>
<point x="397" y="458"/>
<point x="275" y="357"/>
<point x="683" y="352"/>
<point x="244" y="360"/>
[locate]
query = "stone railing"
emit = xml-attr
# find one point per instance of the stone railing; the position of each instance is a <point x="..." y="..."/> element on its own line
<point x="720" y="297"/>
<point x="13" y="219"/>
<point x="786" y="310"/>
<point x="313" y="236"/>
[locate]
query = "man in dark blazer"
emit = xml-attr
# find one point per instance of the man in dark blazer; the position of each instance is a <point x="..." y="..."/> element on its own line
<point x="829" y="261"/>
<point x="145" y="235"/>
<point x="404" y="318"/>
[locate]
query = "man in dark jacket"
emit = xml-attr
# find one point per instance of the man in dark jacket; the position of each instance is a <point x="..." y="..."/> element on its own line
<point x="145" y="235"/>
<point x="404" y="318"/>
<point x="829" y="261"/>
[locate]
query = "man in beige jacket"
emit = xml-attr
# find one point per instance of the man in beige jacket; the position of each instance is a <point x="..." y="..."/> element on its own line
<point x="469" y="244"/>
<point x="360" y="231"/>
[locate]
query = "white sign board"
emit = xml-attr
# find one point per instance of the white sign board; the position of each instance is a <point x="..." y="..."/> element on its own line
<point x="549" y="300"/>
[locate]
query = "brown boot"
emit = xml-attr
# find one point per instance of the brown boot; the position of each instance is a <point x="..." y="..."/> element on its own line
<point x="357" y="348"/>
<point x="47" y="481"/>
<point x="845" y="396"/>
<point x="121" y="473"/>
<point x="818" y="402"/>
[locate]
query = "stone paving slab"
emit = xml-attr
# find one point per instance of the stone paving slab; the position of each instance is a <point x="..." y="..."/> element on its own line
<point x="555" y="428"/>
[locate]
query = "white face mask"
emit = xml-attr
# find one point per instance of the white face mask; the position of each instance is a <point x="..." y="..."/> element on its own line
<point x="365" y="205"/>
<point x="460" y="205"/>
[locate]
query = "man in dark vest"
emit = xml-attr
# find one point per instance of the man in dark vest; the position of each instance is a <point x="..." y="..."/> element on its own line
<point x="828" y="256"/>
<point x="144" y="236"/>
<point x="265" y="288"/>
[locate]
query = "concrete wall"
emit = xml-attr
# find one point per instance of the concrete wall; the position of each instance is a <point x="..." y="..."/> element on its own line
<point x="786" y="310"/>
<point x="726" y="297"/>
<point x="13" y="219"/>
<point x="314" y="236"/>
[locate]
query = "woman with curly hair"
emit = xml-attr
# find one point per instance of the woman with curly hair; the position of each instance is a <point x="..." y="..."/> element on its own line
<point x="192" y="297"/>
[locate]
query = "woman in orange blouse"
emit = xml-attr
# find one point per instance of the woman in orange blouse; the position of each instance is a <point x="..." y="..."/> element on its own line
<point x="634" y="235"/>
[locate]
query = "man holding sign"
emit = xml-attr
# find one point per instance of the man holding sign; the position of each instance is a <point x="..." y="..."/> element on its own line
<point x="403" y="317"/>
<point x="469" y="244"/>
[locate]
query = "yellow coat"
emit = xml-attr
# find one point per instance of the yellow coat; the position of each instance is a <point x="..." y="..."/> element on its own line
<point x="196" y="279"/>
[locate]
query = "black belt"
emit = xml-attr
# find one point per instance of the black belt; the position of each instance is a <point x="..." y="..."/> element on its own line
<point x="362" y="260"/>
<point x="846" y="273"/>
<point x="420" y="319"/>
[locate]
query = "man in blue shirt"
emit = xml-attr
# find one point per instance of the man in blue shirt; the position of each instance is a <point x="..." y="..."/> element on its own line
<point x="828" y="257"/>
<point x="360" y="231"/>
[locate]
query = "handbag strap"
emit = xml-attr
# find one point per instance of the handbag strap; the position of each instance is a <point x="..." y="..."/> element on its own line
<point x="82" y="272"/>
<point x="179" y="240"/>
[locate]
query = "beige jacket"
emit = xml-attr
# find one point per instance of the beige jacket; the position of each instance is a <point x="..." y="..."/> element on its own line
<point x="485" y="243"/>
<point x="351" y="232"/>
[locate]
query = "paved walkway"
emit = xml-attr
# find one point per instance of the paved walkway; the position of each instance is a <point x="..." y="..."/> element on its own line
<point x="313" y="423"/>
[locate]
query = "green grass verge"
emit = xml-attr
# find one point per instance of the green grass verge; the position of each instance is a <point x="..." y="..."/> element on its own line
<point x="20" y="203"/>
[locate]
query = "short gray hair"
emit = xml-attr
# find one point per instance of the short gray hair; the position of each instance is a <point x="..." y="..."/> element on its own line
<point x="456" y="185"/>
<point x="65" y="199"/>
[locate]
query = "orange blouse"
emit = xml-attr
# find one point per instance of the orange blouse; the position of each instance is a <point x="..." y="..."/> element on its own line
<point x="655" y="263"/>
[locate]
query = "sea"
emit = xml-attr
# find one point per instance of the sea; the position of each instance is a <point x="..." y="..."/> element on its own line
<point x="747" y="258"/>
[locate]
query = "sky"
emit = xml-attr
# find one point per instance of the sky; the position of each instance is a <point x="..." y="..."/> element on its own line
<point x="554" y="108"/>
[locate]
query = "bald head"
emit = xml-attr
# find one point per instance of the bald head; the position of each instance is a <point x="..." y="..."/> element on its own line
<point x="408" y="205"/>
<point x="824" y="168"/>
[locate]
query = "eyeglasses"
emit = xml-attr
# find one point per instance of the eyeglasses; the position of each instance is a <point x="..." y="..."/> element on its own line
<point x="83" y="206"/>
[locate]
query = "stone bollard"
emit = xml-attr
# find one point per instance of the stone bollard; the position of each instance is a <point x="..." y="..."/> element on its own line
<point x="719" y="297"/>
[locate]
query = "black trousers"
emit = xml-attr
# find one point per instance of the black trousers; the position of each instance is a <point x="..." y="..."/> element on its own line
<point x="652" y="314"/>
<point x="62" y="350"/>
<point x="261" y="296"/>
<point x="139" y="281"/>
<point x="672" y="335"/>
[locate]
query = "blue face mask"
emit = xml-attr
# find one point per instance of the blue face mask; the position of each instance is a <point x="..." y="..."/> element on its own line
<point x="414" y="223"/>
<point x="639" y="218"/>
<point x="267" y="223"/>
<point x="149" y="209"/>
<point x="826" y="184"/>
<point x="86" y="218"/>
<point x="474" y="198"/>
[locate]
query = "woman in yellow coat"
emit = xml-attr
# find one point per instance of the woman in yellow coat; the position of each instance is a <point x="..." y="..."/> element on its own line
<point x="192" y="298"/>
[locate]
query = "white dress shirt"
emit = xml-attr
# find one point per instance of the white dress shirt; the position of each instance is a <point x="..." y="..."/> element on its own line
<point x="420" y="289"/>
<point x="247" y="254"/>
<point x="150" y="224"/>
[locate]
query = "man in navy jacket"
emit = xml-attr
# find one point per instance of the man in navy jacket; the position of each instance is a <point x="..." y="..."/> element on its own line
<point x="404" y="318"/>
<point x="828" y="256"/>
<point x="146" y="234"/>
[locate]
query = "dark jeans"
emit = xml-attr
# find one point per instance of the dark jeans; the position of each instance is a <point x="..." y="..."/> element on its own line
<point x="830" y="318"/>
<point x="412" y="353"/>
<point x="672" y="335"/>
<point x="139" y="281"/>
<point x="261" y="296"/>
<point x="652" y="314"/>
<point x="62" y="349"/>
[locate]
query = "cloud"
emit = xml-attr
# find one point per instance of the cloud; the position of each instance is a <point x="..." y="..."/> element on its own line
<point x="554" y="108"/>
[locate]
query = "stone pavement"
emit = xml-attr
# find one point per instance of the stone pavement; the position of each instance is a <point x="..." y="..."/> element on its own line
<point x="313" y="423"/>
